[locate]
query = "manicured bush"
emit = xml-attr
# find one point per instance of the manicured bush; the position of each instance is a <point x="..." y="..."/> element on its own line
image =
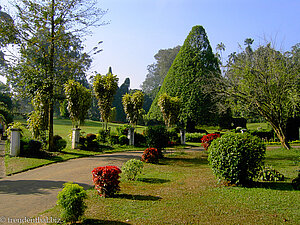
<point x="29" y="147"/>
<point x="194" y="137"/>
<point x="270" y="174"/>
<point x="207" y="139"/>
<point x="236" y="158"/>
<point x="132" y="168"/>
<point x="157" y="137"/>
<point x="150" y="155"/>
<point x="123" y="140"/>
<point x="106" y="180"/>
<point x="59" y="143"/>
<point x="71" y="201"/>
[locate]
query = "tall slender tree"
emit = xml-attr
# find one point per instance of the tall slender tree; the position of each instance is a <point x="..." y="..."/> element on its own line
<point x="42" y="28"/>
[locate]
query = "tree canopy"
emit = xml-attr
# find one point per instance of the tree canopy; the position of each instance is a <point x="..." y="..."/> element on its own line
<point x="193" y="66"/>
<point x="48" y="34"/>
<point x="265" y="81"/>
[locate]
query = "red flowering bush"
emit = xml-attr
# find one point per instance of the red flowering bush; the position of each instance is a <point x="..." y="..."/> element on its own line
<point x="207" y="139"/>
<point x="106" y="180"/>
<point x="150" y="155"/>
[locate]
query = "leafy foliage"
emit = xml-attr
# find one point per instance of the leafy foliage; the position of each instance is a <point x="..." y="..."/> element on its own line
<point x="106" y="180"/>
<point x="105" y="87"/>
<point x="270" y="174"/>
<point x="236" y="158"/>
<point x="296" y="182"/>
<point x="59" y="143"/>
<point x="150" y="155"/>
<point x="170" y="108"/>
<point x="157" y="137"/>
<point x="191" y="70"/>
<point x="266" y="82"/>
<point x="38" y="119"/>
<point x="29" y="147"/>
<point x="132" y="168"/>
<point x="133" y="106"/>
<point x="79" y="101"/>
<point x="158" y="71"/>
<point x="71" y="201"/>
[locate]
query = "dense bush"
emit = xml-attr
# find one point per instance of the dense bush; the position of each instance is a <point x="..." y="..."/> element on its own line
<point x="71" y="201"/>
<point x="89" y="142"/>
<point x="194" y="137"/>
<point x="103" y="136"/>
<point x="139" y="139"/>
<point x="150" y="155"/>
<point x="207" y="139"/>
<point x="270" y="174"/>
<point x="157" y="137"/>
<point x="29" y="147"/>
<point x="113" y="139"/>
<point x="106" y="180"/>
<point x="132" y="168"/>
<point x="236" y="158"/>
<point x="59" y="143"/>
<point x="123" y="140"/>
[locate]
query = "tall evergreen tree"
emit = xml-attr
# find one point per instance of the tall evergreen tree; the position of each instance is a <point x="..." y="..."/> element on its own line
<point x="122" y="90"/>
<point x="193" y="66"/>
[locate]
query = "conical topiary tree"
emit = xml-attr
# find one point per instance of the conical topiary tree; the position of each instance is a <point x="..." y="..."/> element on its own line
<point x="190" y="72"/>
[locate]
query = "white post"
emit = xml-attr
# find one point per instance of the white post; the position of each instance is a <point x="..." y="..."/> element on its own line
<point x="15" y="142"/>
<point x="182" y="136"/>
<point x="131" y="135"/>
<point x="75" y="137"/>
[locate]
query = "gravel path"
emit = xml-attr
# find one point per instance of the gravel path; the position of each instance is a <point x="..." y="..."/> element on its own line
<point x="29" y="193"/>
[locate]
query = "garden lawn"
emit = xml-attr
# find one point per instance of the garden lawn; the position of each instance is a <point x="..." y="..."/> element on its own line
<point x="182" y="190"/>
<point x="63" y="127"/>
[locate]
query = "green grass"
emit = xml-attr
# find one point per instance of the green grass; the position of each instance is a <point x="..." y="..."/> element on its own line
<point x="254" y="126"/>
<point x="182" y="190"/>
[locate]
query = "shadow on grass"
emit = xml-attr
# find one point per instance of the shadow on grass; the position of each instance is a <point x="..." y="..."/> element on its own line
<point x="283" y="186"/>
<point x="137" y="197"/>
<point x="153" y="180"/>
<point x="95" y="221"/>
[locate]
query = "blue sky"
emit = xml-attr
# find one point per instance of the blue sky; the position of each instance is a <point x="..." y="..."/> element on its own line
<point x="139" y="28"/>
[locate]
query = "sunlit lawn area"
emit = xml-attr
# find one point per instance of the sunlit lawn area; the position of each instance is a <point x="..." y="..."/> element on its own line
<point x="182" y="190"/>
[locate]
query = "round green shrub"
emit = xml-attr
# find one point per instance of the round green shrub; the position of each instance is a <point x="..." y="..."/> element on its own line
<point x="132" y="168"/>
<point x="123" y="140"/>
<point x="59" y="143"/>
<point x="71" y="201"/>
<point x="236" y="158"/>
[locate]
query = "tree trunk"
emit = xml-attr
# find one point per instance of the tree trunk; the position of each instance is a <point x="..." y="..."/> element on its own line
<point x="50" y="126"/>
<point x="281" y="135"/>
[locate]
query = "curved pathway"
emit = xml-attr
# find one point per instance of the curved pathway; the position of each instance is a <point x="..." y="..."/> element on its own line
<point x="29" y="193"/>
